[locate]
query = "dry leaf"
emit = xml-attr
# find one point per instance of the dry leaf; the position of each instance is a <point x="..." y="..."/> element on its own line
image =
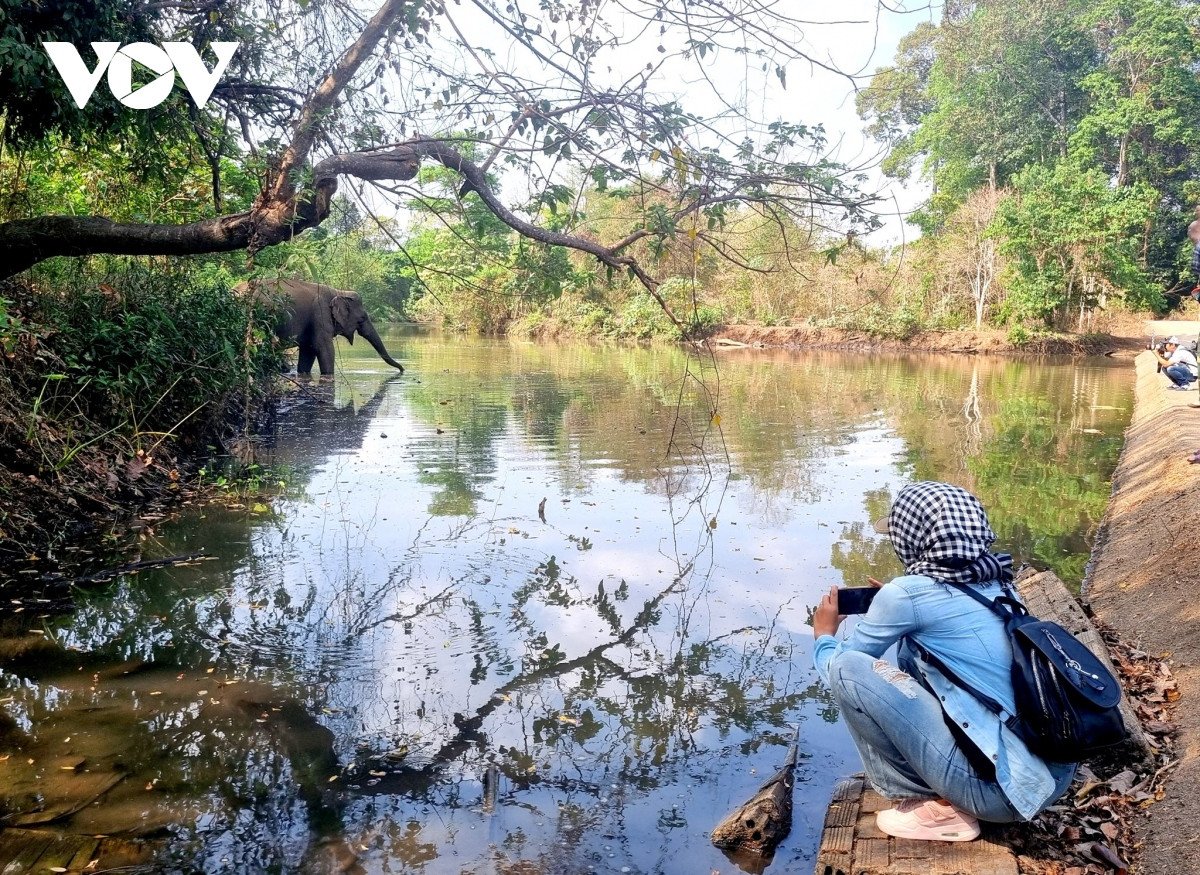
<point x="1122" y="782"/>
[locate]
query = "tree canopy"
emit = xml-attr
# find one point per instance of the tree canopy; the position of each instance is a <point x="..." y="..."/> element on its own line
<point x="1080" y="116"/>
<point x="522" y="104"/>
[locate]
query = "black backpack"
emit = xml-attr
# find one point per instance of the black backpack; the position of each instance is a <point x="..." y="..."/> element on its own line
<point x="1067" y="701"/>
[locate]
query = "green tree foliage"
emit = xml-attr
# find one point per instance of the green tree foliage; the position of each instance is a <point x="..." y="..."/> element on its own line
<point x="128" y="362"/>
<point x="1080" y="116"/>
<point x="988" y="92"/>
<point x="1071" y="238"/>
<point x="470" y="270"/>
<point x="30" y="94"/>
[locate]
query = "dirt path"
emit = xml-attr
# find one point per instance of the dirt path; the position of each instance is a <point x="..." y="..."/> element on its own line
<point x="1145" y="582"/>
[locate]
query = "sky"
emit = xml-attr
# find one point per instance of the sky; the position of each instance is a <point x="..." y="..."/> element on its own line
<point x="860" y="49"/>
<point x="855" y="37"/>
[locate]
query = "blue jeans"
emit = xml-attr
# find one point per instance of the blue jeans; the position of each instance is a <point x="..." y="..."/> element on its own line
<point x="1180" y="375"/>
<point x="906" y="748"/>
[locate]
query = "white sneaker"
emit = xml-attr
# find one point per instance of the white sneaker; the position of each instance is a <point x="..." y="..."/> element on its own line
<point x="928" y="820"/>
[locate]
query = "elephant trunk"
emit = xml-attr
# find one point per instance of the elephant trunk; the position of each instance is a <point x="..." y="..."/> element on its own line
<point x="367" y="330"/>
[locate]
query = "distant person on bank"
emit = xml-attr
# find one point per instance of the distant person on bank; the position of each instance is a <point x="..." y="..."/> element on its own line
<point x="942" y="757"/>
<point x="1178" y="364"/>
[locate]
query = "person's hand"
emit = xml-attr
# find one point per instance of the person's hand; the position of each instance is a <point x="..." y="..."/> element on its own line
<point x="875" y="583"/>
<point x="826" y="618"/>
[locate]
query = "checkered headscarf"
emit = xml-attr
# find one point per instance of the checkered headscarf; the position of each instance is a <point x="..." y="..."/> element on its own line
<point x="942" y="531"/>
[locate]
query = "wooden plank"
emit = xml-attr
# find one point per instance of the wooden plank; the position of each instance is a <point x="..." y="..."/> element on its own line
<point x="864" y="849"/>
<point x="10" y="845"/>
<point x="841" y="814"/>
<point x="85" y="789"/>
<point x="978" y="858"/>
<point x="838" y="840"/>
<point x="24" y="853"/>
<point x="30" y="850"/>
<point x="872" y="801"/>
<point x="64" y="849"/>
<point x="909" y="849"/>
<point x="850" y="789"/>
<point x="87" y="852"/>
<point x="866" y="828"/>
<point x="871" y="856"/>
<point x="835" y="867"/>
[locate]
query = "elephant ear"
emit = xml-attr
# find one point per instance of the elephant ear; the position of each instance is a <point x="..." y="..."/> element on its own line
<point x="344" y="322"/>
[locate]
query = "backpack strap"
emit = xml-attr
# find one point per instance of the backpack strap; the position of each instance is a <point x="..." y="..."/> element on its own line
<point x="1005" y="607"/>
<point x="953" y="677"/>
<point x="949" y="674"/>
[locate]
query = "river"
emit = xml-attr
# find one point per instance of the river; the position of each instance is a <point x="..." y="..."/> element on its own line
<point x="584" y="570"/>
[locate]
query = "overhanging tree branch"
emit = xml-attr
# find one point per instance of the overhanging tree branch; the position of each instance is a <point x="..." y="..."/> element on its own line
<point x="680" y="170"/>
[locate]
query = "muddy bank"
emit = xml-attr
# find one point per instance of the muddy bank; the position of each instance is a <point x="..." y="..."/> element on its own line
<point x="1143" y="582"/>
<point x="972" y="342"/>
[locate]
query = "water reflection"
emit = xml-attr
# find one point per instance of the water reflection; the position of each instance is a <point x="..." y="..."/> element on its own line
<point x="401" y="667"/>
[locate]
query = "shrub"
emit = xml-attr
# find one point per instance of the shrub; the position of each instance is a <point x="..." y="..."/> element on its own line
<point x="1019" y="335"/>
<point x="643" y="319"/>
<point x="150" y="348"/>
<point x="900" y="324"/>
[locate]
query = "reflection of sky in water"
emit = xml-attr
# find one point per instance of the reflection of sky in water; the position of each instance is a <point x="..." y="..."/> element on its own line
<point x="406" y="582"/>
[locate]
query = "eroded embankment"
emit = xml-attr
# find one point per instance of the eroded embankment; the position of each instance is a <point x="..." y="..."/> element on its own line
<point x="965" y="341"/>
<point x="1144" y="581"/>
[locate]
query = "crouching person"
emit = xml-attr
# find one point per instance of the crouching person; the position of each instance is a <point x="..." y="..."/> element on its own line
<point x="1177" y="362"/>
<point x="944" y="759"/>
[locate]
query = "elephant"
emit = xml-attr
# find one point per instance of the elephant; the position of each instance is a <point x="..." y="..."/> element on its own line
<point x="313" y="314"/>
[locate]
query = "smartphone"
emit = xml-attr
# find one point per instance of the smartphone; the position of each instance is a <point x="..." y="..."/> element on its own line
<point x="856" y="599"/>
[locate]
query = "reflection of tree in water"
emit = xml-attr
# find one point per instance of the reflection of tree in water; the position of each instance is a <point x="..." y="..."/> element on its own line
<point x="861" y="552"/>
<point x="1043" y="479"/>
<point x="463" y="459"/>
<point x="1047" y="505"/>
<point x="644" y="708"/>
<point x="462" y="654"/>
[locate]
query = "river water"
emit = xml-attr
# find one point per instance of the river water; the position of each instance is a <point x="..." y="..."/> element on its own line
<point x="332" y="691"/>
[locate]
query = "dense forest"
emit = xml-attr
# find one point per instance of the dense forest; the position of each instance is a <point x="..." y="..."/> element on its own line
<point x="1059" y="142"/>
<point x="1054" y="139"/>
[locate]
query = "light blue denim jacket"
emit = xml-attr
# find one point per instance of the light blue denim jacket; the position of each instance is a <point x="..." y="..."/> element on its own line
<point x="972" y="642"/>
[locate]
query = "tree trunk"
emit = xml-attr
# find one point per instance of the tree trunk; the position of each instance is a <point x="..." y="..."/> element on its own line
<point x="25" y="242"/>
<point x="985" y="272"/>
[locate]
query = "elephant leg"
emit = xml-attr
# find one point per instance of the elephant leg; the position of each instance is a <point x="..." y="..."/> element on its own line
<point x="304" y="360"/>
<point x="325" y="358"/>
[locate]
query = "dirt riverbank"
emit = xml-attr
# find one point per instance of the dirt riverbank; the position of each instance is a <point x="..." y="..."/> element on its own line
<point x="989" y="342"/>
<point x="1143" y="582"/>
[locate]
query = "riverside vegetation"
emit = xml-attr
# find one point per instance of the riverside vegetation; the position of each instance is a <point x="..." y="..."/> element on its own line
<point x="103" y="386"/>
